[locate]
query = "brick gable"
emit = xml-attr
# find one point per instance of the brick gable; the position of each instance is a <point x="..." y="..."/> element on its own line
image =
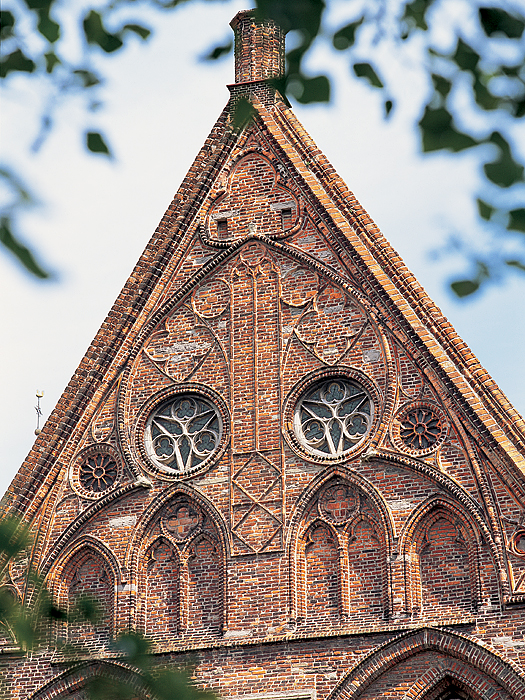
<point x="277" y="454"/>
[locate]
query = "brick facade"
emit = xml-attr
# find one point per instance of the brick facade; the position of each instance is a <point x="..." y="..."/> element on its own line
<point x="277" y="459"/>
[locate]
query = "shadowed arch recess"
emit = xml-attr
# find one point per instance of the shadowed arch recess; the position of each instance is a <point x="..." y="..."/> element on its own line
<point x="372" y="676"/>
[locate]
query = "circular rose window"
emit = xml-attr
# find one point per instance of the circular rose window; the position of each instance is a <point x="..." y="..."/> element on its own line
<point x="333" y="416"/>
<point x="98" y="472"/>
<point x="183" y="432"/>
<point x="419" y="428"/>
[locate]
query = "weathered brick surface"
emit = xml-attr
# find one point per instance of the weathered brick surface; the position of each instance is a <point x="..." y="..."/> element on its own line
<point x="184" y="477"/>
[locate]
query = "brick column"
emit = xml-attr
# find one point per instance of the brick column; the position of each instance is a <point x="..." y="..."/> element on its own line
<point x="259" y="48"/>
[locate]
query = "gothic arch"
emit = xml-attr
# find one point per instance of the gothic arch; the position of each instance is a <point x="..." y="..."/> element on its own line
<point x="469" y="657"/>
<point x="153" y="531"/>
<point x="87" y="567"/>
<point x="160" y="612"/>
<point x="440" y="678"/>
<point x="416" y="543"/>
<point x="379" y="518"/>
<point x="320" y="539"/>
<point x="74" y="680"/>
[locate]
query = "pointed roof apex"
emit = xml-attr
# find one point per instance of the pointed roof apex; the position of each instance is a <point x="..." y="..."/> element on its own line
<point x="259" y="48"/>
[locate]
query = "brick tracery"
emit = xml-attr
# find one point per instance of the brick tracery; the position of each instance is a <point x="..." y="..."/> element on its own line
<point x="339" y="561"/>
<point x="284" y="561"/>
<point x="178" y="563"/>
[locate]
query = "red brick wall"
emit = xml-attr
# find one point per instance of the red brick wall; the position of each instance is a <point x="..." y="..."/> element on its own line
<point x="388" y="569"/>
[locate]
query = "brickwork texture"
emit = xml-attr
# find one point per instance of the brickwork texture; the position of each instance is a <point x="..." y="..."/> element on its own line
<point x="277" y="459"/>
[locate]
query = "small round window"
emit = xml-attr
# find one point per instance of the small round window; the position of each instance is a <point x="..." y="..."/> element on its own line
<point x="183" y="432"/>
<point x="333" y="416"/>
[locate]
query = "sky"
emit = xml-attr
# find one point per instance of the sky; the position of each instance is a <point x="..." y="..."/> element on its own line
<point x="97" y="215"/>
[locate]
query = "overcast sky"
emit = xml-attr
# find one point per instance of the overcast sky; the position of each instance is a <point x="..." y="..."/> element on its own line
<point x="97" y="215"/>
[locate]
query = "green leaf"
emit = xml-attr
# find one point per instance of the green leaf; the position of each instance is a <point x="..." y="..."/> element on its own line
<point x="19" y="250"/>
<point x="88" y="78"/>
<point x="39" y="4"/>
<point x="494" y="20"/>
<point x="7" y="23"/>
<point x="516" y="263"/>
<point x="484" y="98"/>
<point x="485" y="210"/>
<point x="52" y="60"/>
<point x="97" y="34"/>
<point x="48" y="27"/>
<point x="304" y="15"/>
<point x="143" y="32"/>
<point x="218" y="52"/>
<point x="294" y="58"/>
<point x="280" y="85"/>
<point x="465" y="57"/>
<point x="14" y="536"/>
<point x="16" y="61"/>
<point x="414" y="15"/>
<point x="504" y="171"/>
<point x="313" y="89"/>
<point x="438" y="133"/>
<point x="516" y="220"/>
<point x="96" y="144"/>
<point x="365" y="70"/>
<point x="344" y="38"/>
<point x="388" y="107"/>
<point x="519" y="107"/>
<point x="441" y="84"/>
<point x="464" y="287"/>
<point x="243" y="113"/>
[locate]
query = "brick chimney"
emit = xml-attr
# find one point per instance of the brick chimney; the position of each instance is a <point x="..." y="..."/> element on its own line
<point x="259" y="48"/>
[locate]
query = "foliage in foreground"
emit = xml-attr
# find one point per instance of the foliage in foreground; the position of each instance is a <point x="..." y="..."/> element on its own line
<point x="471" y="53"/>
<point x="30" y="623"/>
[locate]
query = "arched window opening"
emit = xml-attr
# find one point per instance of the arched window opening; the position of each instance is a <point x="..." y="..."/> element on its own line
<point x="365" y="572"/>
<point x="204" y="587"/>
<point x="449" y="689"/>
<point x="444" y="566"/>
<point x="89" y="583"/>
<point x="322" y="574"/>
<point x="162" y="591"/>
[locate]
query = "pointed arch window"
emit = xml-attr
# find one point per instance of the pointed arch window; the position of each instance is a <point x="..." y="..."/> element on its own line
<point x="442" y="564"/>
<point x="88" y="580"/>
<point x="340" y="568"/>
<point x="204" y="586"/>
<point x="182" y="573"/>
<point x="162" y="590"/>
<point x="322" y="573"/>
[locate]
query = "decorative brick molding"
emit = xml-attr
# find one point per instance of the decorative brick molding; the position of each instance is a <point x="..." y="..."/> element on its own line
<point x="66" y="684"/>
<point x="298" y="539"/>
<point x="464" y="649"/>
<point x="415" y="538"/>
<point x="441" y="677"/>
<point x="150" y="533"/>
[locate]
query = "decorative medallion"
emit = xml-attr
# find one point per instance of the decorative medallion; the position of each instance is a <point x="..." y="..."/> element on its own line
<point x="183" y="432"/>
<point x="96" y="470"/>
<point x="419" y="428"/>
<point x="517" y="543"/>
<point x="338" y="503"/>
<point x="331" y="415"/>
<point x="181" y="520"/>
